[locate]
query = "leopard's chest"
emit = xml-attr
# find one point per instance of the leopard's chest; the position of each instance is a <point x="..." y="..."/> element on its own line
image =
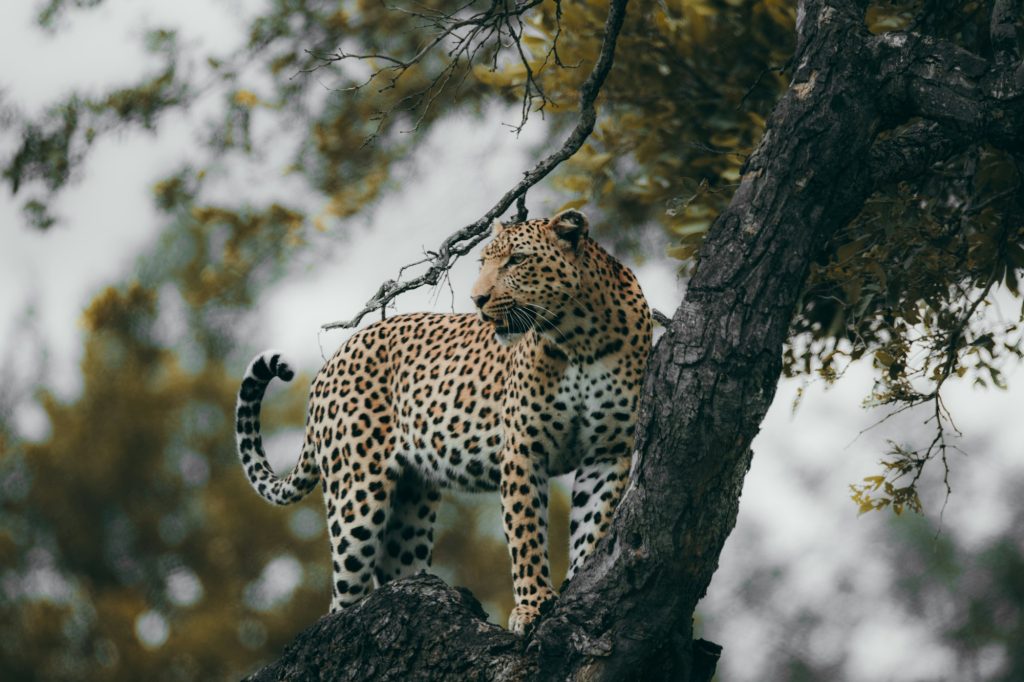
<point x="586" y="396"/>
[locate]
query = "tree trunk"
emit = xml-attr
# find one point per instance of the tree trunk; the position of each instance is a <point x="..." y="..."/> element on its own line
<point x="628" y="614"/>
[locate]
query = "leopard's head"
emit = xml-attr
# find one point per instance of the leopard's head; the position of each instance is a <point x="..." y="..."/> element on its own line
<point x="530" y="274"/>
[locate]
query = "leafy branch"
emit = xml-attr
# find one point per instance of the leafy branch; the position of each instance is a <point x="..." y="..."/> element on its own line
<point x="945" y="353"/>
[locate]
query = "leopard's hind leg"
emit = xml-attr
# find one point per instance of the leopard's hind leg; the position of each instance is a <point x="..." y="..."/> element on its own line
<point x="358" y="499"/>
<point x="352" y="425"/>
<point x="354" y="434"/>
<point x="409" y="540"/>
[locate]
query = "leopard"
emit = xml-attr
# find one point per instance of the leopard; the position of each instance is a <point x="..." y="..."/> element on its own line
<point x="542" y="380"/>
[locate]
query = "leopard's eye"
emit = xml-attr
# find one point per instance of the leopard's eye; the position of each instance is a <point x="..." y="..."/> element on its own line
<point x="517" y="258"/>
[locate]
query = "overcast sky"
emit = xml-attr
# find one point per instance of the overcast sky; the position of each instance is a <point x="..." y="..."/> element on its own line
<point x="796" y="497"/>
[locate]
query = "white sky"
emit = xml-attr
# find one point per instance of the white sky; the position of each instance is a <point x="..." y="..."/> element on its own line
<point x="796" y="497"/>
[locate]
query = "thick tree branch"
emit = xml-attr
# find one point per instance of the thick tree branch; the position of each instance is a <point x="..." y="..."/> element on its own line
<point x="419" y="628"/>
<point x="939" y="81"/>
<point x="463" y="241"/>
<point x="914" y="151"/>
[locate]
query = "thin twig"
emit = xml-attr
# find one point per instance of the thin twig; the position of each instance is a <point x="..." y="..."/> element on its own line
<point x="521" y="211"/>
<point x="661" y="318"/>
<point x="760" y="76"/>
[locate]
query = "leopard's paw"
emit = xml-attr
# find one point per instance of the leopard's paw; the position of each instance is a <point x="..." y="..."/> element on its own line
<point x="522" y="618"/>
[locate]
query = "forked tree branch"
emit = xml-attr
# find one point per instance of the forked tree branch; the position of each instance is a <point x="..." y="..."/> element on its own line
<point x="463" y="241"/>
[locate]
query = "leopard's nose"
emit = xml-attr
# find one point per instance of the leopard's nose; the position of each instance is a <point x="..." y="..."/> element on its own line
<point x="481" y="301"/>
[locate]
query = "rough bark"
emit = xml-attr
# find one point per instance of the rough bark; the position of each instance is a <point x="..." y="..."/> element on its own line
<point x="418" y="628"/>
<point x="628" y="613"/>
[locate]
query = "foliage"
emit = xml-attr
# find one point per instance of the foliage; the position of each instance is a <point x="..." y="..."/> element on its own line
<point x="126" y="534"/>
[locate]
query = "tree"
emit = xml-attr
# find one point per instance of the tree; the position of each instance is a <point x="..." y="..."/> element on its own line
<point x="713" y="374"/>
<point x="875" y="217"/>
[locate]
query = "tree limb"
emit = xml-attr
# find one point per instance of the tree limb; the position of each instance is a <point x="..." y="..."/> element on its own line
<point x="397" y="633"/>
<point x="418" y="628"/>
<point x="914" y="151"/>
<point x="937" y="80"/>
<point x="463" y="241"/>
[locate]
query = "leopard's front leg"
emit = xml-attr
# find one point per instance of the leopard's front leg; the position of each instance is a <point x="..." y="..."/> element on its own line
<point x="596" y="491"/>
<point x="524" y="502"/>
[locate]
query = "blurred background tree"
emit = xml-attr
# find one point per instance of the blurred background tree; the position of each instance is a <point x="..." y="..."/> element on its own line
<point x="129" y="520"/>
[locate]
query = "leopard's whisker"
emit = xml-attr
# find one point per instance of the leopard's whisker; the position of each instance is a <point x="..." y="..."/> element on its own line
<point x="518" y="314"/>
<point x="549" y="317"/>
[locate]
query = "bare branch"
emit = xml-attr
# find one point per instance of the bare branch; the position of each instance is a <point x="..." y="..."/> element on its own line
<point x="461" y="242"/>
<point x="753" y="86"/>
<point x="661" y="318"/>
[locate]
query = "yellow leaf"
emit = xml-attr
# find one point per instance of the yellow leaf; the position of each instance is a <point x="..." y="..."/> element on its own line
<point x="875" y="481"/>
<point x="512" y="74"/>
<point x="537" y="45"/>
<point x="246" y="98"/>
<point x="575" y="203"/>
<point x="725" y="140"/>
<point x="592" y="162"/>
<point x="681" y="252"/>
<point x="691" y="228"/>
<point x="849" y="250"/>
<point x="730" y="174"/>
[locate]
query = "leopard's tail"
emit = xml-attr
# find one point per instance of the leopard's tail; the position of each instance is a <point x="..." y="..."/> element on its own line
<point x="273" y="488"/>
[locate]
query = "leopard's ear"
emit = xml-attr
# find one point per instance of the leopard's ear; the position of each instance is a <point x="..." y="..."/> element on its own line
<point x="497" y="227"/>
<point x="570" y="226"/>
